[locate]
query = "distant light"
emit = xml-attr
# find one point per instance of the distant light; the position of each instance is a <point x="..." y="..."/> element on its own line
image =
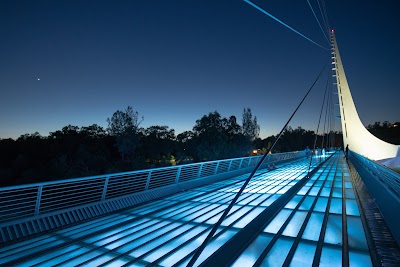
<point x="332" y="30"/>
<point x="38" y="79"/>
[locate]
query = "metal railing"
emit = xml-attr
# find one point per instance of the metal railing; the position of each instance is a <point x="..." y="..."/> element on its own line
<point x="32" y="200"/>
<point x="387" y="176"/>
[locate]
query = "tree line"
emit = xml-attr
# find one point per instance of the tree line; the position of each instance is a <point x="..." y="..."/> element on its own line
<point x="123" y="146"/>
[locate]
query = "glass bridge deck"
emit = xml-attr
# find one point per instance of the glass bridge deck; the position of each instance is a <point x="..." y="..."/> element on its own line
<point x="321" y="224"/>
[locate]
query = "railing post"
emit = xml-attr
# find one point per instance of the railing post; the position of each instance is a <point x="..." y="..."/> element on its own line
<point x="230" y="164"/>
<point x="148" y="181"/>
<point x="103" y="195"/>
<point x="240" y="165"/>
<point x="216" y="168"/>
<point x="199" y="173"/>
<point x="178" y="173"/>
<point x="38" y="199"/>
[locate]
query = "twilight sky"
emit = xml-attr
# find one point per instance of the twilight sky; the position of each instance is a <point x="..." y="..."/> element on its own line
<point x="174" y="61"/>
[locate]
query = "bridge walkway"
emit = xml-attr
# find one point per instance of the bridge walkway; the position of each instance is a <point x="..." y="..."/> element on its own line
<point x="321" y="223"/>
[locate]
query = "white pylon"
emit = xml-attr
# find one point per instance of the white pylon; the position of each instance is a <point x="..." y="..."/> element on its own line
<point x="359" y="139"/>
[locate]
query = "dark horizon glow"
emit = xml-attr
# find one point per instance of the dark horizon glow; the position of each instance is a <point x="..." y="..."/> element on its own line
<point x="77" y="62"/>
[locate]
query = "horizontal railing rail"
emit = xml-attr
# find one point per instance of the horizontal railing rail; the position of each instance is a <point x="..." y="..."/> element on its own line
<point x="32" y="200"/>
<point x="387" y="176"/>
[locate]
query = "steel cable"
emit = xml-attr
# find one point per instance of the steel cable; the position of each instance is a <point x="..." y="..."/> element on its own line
<point x="316" y="18"/>
<point x="227" y="210"/>
<point x="316" y="133"/>
<point x="283" y="23"/>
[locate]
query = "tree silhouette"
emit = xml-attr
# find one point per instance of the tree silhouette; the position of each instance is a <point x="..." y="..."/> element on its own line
<point x="215" y="137"/>
<point x="124" y="126"/>
<point x="157" y="144"/>
<point x="250" y="127"/>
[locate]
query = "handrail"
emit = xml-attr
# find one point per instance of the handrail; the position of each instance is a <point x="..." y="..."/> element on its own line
<point x="387" y="176"/>
<point x="44" y="197"/>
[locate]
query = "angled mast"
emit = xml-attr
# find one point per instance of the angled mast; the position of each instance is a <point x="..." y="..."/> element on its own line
<point x="359" y="139"/>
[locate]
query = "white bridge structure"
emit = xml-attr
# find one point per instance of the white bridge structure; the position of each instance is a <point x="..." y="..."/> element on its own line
<point x="359" y="139"/>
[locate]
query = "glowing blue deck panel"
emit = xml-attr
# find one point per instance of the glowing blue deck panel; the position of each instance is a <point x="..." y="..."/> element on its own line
<point x="167" y="231"/>
<point x="313" y="223"/>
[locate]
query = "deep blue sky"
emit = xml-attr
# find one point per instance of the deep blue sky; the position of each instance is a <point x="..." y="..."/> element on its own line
<point x="175" y="61"/>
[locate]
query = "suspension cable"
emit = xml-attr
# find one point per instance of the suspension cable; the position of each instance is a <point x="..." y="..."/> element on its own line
<point x="233" y="201"/>
<point x="324" y="19"/>
<point x="330" y="113"/>
<point x="316" y="134"/>
<point x="326" y="110"/>
<point x="284" y="24"/>
<point x="328" y="117"/>
<point x="326" y="14"/>
<point x="323" y="32"/>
